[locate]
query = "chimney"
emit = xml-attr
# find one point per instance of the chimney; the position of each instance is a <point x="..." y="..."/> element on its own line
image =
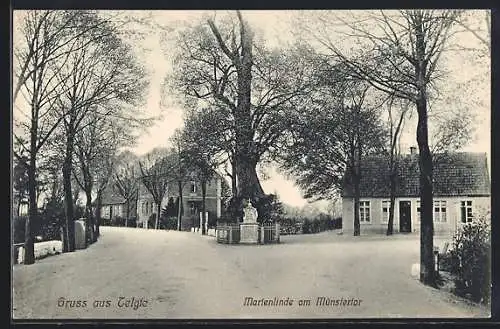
<point x="413" y="150"/>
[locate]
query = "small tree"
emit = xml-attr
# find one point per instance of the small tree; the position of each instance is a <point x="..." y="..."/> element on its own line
<point x="171" y="209"/>
<point x="156" y="177"/>
<point x="127" y="185"/>
<point x="349" y="128"/>
<point x="396" y="120"/>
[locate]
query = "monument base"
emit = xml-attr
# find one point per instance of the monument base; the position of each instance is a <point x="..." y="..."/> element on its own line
<point x="249" y="233"/>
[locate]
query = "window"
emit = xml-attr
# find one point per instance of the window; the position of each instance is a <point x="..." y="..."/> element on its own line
<point x="418" y="210"/>
<point x="385" y="211"/>
<point x="364" y="211"/>
<point x="439" y="211"/>
<point x="192" y="209"/>
<point x="193" y="187"/>
<point x="466" y="211"/>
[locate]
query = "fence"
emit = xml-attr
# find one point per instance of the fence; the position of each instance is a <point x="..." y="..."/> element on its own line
<point x="231" y="233"/>
<point x="228" y="233"/>
<point x="269" y="233"/>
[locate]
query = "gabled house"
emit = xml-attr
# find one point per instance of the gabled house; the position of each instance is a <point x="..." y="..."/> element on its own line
<point x="191" y="201"/>
<point x="113" y="206"/>
<point x="461" y="192"/>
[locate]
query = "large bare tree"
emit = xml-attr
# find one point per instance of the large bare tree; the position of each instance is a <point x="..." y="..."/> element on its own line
<point x="100" y="79"/>
<point x="43" y="38"/>
<point x="48" y="51"/>
<point x="222" y="64"/>
<point x="400" y="54"/>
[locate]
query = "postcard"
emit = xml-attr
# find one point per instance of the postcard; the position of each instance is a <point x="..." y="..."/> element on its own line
<point x="250" y="164"/>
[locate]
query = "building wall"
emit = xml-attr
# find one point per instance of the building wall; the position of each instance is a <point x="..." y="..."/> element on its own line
<point x="116" y="210"/>
<point x="146" y="205"/>
<point x="378" y="226"/>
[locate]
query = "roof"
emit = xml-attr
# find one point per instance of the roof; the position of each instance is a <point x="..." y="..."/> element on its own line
<point x="112" y="198"/>
<point x="454" y="174"/>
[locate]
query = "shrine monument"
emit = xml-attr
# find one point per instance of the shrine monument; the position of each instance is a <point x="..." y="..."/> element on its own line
<point x="249" y="228"/>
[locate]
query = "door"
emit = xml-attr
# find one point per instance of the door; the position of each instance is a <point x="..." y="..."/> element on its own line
<point x="405" y="216"/>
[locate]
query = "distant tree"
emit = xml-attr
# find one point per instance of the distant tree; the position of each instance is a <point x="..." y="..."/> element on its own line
<point x="127" y="185"/>
<point x="20" y="180"/>
<point x="95" y="142"/>
<point x="396" y="119"/>
<point x="104" y="172"/>
<point x="202" y="163"/>
<point x="170" y="209"/>
<point x="181" y="170"/>
<point x="156" y="176"/>
<point x="349" y="129"/>
<point x="209" y="129"/>
<point x="271" y="209"/>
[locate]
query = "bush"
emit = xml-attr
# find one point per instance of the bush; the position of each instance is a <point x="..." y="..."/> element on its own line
<point x="168" y="223"/>
<point x="152" y="221"/>
<point x="306" y="226"/>
<point x="289" y="225"/>
<point x="50" y="221"/>
<point x="269" y="208"/>
<point x="470" y="261"/>
<point x="118" y="221"/>
<point x="132" y="222"/>
<point x="318" y="224"/>
<point x="337" y="223"/>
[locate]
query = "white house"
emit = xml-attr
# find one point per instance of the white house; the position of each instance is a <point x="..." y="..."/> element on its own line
<point x="461" y="192"/>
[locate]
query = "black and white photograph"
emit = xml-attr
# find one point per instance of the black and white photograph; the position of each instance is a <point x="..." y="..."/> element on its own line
<point x="250" y="164"/>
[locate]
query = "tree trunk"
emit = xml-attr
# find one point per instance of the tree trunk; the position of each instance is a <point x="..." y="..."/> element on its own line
<point x="98" y="203"/>
<point x="18" y="206"/>
<point x="357" y="229"/>
<point x="427" y="271"/>
<point x="179" y="209"/>
<point x="69" y="243"/>
<point x="158" y="210"/>
<point x="234" y="186"/>
<point x="392" y="198"/>
<point x="89" y="232"/>
<point x="248" y="182"/>
<point x="246" y="154"/>
<point x="203" y="207"/>
<point x="127" y="212"/>
<point x="29" y="243"/>
<point x="356" y="174"/>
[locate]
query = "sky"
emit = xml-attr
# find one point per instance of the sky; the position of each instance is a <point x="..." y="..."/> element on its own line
<point x="277" y="28"/>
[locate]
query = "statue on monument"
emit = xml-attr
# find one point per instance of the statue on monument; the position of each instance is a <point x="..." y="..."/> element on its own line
<point x="250" y="213"/>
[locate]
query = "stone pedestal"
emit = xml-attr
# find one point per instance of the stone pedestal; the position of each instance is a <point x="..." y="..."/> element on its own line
<point x="249" y="233"/>
<point x="80" y="234"/>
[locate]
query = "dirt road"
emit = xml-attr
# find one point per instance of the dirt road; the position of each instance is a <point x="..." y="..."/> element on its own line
<point x="142" y="274"/>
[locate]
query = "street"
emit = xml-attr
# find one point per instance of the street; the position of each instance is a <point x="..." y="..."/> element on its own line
<point x="144" y="274"/>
